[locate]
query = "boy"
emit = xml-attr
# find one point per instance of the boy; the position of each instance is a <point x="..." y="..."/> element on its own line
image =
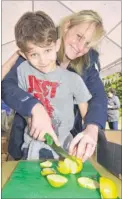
<point x="36" y="36"/>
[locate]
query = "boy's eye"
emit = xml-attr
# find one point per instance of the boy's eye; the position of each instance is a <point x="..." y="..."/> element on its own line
<point x="34" y="55"/>
<point x="48" y="50"/>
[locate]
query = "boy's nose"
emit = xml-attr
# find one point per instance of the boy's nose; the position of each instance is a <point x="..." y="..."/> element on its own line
<point x="42" y="60"/>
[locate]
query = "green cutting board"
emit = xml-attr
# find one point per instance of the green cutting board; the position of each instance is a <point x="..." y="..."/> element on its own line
<point x="27" y="182"/>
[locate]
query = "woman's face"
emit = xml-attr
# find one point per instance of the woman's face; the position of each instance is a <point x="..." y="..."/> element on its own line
<point x="77" y="40"/>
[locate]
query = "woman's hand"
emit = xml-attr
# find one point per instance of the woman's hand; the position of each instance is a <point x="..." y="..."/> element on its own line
<point x="41" y="124"/>
<point x="83" y="145"/>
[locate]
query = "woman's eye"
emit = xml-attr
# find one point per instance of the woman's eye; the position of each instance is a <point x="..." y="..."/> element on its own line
<point x="78" y="36"/>
<point x="88" y="44"/>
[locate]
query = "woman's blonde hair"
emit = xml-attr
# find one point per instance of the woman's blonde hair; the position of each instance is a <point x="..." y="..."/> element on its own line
<point x="84" y="16"/>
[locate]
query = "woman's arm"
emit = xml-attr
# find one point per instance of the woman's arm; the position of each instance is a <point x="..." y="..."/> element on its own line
<point x="6" y="67"/>
<point x="84" y="144"/>
<point x="19" y="100"/>
<point x="97" y="110"/>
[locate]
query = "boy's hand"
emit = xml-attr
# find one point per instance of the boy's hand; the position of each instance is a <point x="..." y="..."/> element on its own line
<point x="83" y="145"/>
<point x="29" y="121"/>
<point x="41" y="124"/>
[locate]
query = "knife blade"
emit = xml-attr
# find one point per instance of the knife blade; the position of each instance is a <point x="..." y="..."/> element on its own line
<point x="59" y="150"/>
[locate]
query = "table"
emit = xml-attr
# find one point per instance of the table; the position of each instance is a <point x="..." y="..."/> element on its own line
<point x="9" y="166"/>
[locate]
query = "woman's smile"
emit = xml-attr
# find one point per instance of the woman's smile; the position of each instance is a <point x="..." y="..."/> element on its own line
<point x="74" y="49"/>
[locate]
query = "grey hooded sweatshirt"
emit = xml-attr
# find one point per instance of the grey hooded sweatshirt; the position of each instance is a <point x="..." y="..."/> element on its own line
<point x="113" y="113"/>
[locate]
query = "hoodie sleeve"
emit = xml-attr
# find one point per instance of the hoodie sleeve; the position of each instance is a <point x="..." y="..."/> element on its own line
<point x="116" y="104"/>
<point x="97" y="110"/>
<point x="17" y="99"/>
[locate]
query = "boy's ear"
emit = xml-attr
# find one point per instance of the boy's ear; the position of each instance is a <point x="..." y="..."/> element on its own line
<point x="22" y="54"/>
<point x="58" y="44"/>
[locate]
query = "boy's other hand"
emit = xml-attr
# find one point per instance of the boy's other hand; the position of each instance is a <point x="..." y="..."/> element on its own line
<point x="83" y="145"/>
<point x="29" y="121"/>
<point x="41" y="124"/>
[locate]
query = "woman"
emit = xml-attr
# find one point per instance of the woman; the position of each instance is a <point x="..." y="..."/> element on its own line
<point x="6" y="67"/>
<point x="80" y="33"/>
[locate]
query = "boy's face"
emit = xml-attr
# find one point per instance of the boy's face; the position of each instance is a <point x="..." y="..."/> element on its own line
<point x="43" y="58"/>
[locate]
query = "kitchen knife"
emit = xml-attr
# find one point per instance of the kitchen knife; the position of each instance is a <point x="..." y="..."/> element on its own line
<point x="59" y="150"/>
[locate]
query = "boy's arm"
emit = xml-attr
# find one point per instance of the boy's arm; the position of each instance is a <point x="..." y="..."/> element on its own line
<point x="6" y="67"/>
<point x="82" y="96"/>
<point x="80" y="93"/>
<point x="83" y="107"/>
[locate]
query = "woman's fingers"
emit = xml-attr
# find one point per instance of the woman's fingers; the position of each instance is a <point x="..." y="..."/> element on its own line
<point x="86" y="147"/>
<point x="81" y="148"/>
<point x="88" y="152"/>
<point x="74" y="143"/>
<point x="74" y="151"/>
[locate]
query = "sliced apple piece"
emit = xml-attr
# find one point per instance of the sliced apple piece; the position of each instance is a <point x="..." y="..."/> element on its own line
<point x="56" y="180"/>
<point x="46" y="164"/>
<point x="88" y="183"/>
<point x="47" y="171"/>
<point x="75" y="165"/>
<point x="62" y="168"/>
<point x="79" y="163"/>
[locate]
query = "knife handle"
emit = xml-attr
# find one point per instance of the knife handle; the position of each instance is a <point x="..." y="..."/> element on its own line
<point x="49" y="139"/>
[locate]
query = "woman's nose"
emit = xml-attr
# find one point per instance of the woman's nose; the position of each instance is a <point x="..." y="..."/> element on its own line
<point x="81" y="45"/>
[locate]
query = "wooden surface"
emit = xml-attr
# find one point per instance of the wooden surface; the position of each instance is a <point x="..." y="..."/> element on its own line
<point x="114" y="136"/>
<point x="8" y="167"/>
